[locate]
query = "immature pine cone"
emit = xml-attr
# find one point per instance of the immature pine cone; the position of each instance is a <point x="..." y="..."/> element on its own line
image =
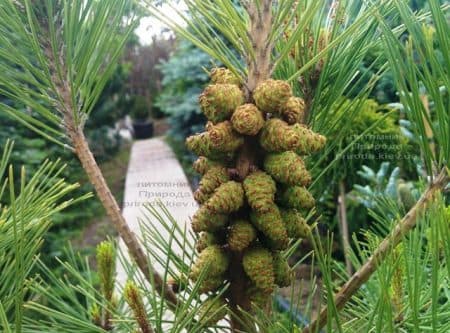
<point x="206" y="239"/>
<point x="202" y="165"/>
<point x="206" y="220"/>
<point x="271" y="225"/>
<point x="294" y="110"/>
<point x="212" y="179"/>
<point x="295" y="224"/>
<point x="271" y="95"/>
<point x="201" y="144"/>
<point x="247" y="119"/>
<point x="278" y="136"/>
<point x="282" y="271"/>
<point x="296" y="197"/>
<point x="260" y="191"/>
<point x="258" y="265"/>
<point x="227" y="198"/>
<point x="223" y="76"/>
<point x="218" y="101"/>
<point x="310" y="142"/>
<point x="241" y="235"/>
<point x="287" y="168"/>
<point x="224" y="138"/>
<point x="212" y="310"/>
<point x="212" y="259"/>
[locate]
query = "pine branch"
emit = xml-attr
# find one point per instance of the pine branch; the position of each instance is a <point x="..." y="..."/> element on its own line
<point x="73" y="127"/>
<point x="406" y="224"/>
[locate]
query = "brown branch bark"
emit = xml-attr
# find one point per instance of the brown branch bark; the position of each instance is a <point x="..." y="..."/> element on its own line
<point x="112" y="208"/>
<point x="407" y="223"/>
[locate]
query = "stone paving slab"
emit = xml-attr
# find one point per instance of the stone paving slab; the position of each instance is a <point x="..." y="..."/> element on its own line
<point x="153" y="174"/>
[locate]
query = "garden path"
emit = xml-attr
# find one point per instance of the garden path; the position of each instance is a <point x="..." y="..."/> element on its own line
<point x="154" y="173"/>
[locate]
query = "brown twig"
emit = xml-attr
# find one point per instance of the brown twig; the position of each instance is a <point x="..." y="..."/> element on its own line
<point x="112" y="208"/>
<point x="407" y="223"/>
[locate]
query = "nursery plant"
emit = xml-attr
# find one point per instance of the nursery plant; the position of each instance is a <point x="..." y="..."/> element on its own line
<point x="269" y="112"/>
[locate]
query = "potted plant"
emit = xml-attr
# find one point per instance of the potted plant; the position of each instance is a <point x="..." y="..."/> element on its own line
<point x="142" y="124"/>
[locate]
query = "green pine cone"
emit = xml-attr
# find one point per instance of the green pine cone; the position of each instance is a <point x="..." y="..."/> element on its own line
<point x="271" y="95"/>
<point x="295" y="224"/>
<point x="218" y="101"/>
<point x="287" y="168"/>
<point x="211" y="284"/>
<point x="278" y="136"/>
<point x="227" y="198"/>
<point x="271" y="225"/>
<point x="206" y="220"/>
<point x="294" y="110"/>
<point x="202" y="165"/>
<point x="201" y="145"/>
<point x="241" y="235"/>
<point x="283" y="277"/>
<point x="260" y="191"/>
<point x="247" y="119"/>
<point x="224" y="138"/>
<point x="221" y="75"/>
<point x="212" y="179"/>
<point x="296" y="197"/>
<point x="257" y="297"/>
<point x="258" y="265"/>
<point x="213" y="259"/>
<point x="311" y="142"/>
<point x="405" y="195"/>
<point x="206" y="239"/>
<point x="212" y="311"/>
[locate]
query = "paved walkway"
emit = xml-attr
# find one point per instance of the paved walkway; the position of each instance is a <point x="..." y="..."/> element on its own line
<point x="155" y="173"/>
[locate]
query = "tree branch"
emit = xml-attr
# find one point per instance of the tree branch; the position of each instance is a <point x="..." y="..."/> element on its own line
<point x="74" y="131"/>
<point x="407" y="223"/>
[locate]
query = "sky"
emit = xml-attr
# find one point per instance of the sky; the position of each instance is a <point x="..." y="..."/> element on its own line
<point x="150" y="26"/>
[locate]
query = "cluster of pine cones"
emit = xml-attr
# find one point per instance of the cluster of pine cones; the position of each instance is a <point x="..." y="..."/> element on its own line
<point x="256" y="216"/>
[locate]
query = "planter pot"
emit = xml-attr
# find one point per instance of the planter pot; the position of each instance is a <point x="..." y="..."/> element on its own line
<point x="143" y="129"/>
